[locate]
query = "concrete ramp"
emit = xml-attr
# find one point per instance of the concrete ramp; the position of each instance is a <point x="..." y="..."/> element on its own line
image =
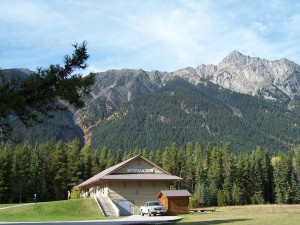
<point x="107" y="206"/>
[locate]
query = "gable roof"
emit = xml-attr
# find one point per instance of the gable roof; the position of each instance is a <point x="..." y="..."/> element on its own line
<point x="174" y="193"/>
<point x="108" y="174"/>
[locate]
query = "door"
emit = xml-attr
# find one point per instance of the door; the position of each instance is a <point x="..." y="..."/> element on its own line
<point x="125" y="207"/>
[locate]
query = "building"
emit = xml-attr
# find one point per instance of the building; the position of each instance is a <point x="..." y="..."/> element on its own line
<point x="128" y="185"/>
<point x="175" y="201"/>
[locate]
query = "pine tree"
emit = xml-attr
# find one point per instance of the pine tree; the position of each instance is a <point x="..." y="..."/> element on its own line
<point x="158" y="158"/>
<point x="152" y="156"/>
<point x="227" y="161"/>
<point x="95" y="163"/>
<point x="297" y="162"/>
<point x="269" y="179"/>
<point x="6" y="156"/>
<point x="166" y="159"/>
<point x="236" y="195"/>
<point x="257" y="176"/>
<point x="242" y="177"/>
<point x="190" y="168"/>
<point x="103" y="158"/>
<point x="87" y="167"/>
<point x="118" y="157"/>
<point x="279" y="179"/>
<point x="35" y="97"/>
<point x="74" y="164"/>
<point x="35" y="178"/>
<point x="21" y="173"/>
<point x="59" y="167"/>
<point x="174" y="159"/>
<point x="45" y="152"/>
<point x="110" y="159"/>
<point x="215" y="175"/>
<point x="295" y="195"/>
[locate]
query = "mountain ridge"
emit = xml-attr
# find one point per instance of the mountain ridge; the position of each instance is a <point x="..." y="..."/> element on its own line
<point x="243" y="100"/>
<point x="275" y="80"/>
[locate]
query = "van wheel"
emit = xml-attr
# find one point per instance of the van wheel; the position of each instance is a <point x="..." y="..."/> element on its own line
<point x="142" y="214"/>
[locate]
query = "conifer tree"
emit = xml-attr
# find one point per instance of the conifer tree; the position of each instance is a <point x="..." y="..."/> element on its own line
<point x="103" y="158"/>
<point x="86" y="155"/>
<point x="297" y="162"/>
<point x="166" y="160"/>
<point x="257" y="176"/>
<point x="236" y="195"/>
<point x="45" y="155"/>
<point x="158" y="158"/>
<point x="110" y="159"/>
<point x="74" y="164"/>
<point x="59" y="167"/>
<point x="152" y="156"/>
<point x="118" y="156"/>
<point x="34" y="98"/>
<point x="215" y="175"/>
<point x="95" y="163"/>
<point x="190" y="168"/>
<point x="242" y="177"/>
<point x="295" y="188"/>
<point x="280" y="180"/>
<point x="269" y="179"/>
<point x="227" y="161"/>
<point x="35" y="178"/>
<point x="6" y="156"/>
<point x="21" y="173"/>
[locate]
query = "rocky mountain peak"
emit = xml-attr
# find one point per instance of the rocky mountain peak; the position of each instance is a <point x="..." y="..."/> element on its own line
<point x="275" y="80"/>
<point x="237" y="60"/>
<point x="255" y="76"/>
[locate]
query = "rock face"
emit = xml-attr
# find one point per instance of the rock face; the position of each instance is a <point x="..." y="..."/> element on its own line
<point x="275" y="80"/>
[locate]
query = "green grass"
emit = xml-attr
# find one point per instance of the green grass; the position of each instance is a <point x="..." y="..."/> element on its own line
<point x="77" y="209"/>
<point x="86" y="209"/>
<point x="6" y="205"/>
<point x="246" y="215"/>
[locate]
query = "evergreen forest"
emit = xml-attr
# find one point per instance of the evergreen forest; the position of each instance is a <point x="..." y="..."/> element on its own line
<point x="215" y="175"/>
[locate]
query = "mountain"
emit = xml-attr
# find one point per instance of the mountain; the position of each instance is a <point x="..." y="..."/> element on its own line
<point x="244" y="101"/>
<point x="181" y="112"/>
<point x="275" y="80"/>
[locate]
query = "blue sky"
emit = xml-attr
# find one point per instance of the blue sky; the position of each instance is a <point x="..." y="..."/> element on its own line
<point x="163" y="35"/>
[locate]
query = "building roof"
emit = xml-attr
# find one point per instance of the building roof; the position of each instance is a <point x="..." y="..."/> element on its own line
<point x="109" y="174"/>
<point x="174" y="193"/>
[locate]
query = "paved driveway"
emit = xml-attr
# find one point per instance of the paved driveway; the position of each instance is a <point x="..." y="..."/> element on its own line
<point x="136" y="219"/>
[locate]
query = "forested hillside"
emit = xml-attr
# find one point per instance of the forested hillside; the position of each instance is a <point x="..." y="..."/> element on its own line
<point x="213" y="174"/>
<point x="181" y="112"/>
<point x="134" y="108"/>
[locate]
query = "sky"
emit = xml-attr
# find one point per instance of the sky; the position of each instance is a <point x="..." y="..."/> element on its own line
<point x="164" y="35"/>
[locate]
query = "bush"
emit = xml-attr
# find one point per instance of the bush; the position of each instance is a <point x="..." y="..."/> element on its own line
<point x="75" y="193"/>
<point x="196" y="202"/>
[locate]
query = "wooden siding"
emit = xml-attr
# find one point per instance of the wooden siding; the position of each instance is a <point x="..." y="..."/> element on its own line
<point x="175" y="205"/>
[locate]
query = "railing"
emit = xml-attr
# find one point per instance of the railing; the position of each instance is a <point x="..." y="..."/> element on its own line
<point x="100" y="206"/>
<point x="113" y="198"/>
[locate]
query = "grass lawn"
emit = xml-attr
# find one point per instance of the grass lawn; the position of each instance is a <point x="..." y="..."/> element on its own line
<point x="77" y="209"/>
<point x="246" y="215"/>
<point x="6" y="205"/>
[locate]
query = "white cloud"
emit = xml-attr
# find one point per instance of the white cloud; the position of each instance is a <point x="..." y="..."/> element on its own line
<point x="163" y="35"/>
